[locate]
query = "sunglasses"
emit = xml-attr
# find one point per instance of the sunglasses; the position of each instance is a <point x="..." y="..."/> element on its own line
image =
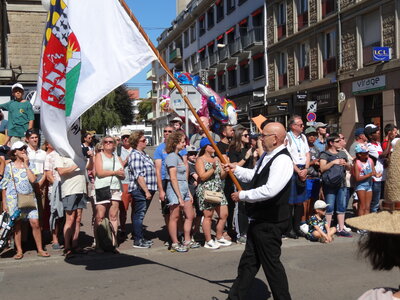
<point x="169" y="131"/>
<point x="108" y="142"/>
<point x="21" y="149"/>
<point x="125" y="137"/>
<point x="143" y="140"/>
<point x="245" y="135"/>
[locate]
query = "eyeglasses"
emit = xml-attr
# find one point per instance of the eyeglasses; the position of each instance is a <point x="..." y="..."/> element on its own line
<point x="125" y="137"/>
<point x="245" y="135"/>
<point x="169" y="131"/>
<point x="267" y="135"/>
<point x="108" y="142"/>
<point x="143" y="140"/>
<point x="336" y="141"/>
<point x="301" y="125"/>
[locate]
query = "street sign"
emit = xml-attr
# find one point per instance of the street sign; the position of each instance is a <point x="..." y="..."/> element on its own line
<point x="312" y="106"/>
<point x="382" y="53"/>
<point x="311" y="117"/>
<point x="301" y="96"/>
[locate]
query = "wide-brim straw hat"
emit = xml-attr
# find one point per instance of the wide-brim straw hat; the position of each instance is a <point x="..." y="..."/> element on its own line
<point x="388" y="220"/>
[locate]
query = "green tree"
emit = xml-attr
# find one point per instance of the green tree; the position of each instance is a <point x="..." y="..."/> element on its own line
<point x="145" y="107"/>
<point x="114" y="110"/>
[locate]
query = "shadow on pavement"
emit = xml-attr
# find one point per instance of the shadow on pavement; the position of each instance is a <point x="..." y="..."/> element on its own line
<point x="258" y="291"/>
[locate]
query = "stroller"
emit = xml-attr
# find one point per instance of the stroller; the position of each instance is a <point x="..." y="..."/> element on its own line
<point x="6" y="226"/>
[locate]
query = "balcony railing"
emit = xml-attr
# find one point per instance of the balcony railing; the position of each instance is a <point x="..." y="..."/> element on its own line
<point x="204" y="63"/>
<point x="302" y="20"/>
<point x="304" y="73"/>
<point x="281" y="31"/>
<point x="329" y="65"/>
<point x="235" y="47"/>
<point x="223" y="53"/>
<point x="253" y="38"/>
<point x="328" y="6"/>
<point x="175" y="55"/>
<point x="150" y="75"/>
<point x="151" y="94"/>
<point x="213" y="59"/>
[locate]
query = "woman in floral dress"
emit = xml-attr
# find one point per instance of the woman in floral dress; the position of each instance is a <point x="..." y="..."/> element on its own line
<point x="211" y="173"/>
<point x="23" y="174"/>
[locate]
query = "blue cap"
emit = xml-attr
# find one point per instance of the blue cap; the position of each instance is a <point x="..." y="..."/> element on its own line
<point x="360" y="148"/>
<point x="204" y="142"/>
<point x="359" y="131"/>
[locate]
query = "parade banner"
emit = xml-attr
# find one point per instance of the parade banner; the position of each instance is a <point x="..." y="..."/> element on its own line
<point x="90" y="48"/>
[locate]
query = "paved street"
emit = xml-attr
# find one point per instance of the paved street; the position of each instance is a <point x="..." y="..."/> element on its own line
<point x="315" y="271"/>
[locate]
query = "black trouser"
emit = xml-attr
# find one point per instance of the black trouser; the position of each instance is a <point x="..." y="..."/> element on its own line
<point x="263" y="248"/>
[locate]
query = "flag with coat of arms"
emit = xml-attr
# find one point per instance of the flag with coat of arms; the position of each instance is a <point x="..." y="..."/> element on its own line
<point x="90" y="48"/>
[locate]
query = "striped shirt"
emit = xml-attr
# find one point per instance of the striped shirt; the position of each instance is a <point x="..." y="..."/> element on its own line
<point x="140" y="164"/>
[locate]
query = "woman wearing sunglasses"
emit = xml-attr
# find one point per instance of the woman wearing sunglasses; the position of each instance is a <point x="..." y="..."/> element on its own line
<point x="240" y="153"/>
<point x="19" y="176"/>
<point x="109" y="172"/>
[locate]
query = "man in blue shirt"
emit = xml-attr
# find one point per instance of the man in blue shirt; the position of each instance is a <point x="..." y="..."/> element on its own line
<point x="159" y="159"/>
<point x="320" y="143"/>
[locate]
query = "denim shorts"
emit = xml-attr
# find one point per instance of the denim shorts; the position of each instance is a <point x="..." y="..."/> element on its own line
<point x="336" y="198"/>
<point x="74" y="201"/>
<point x="364" y="186"/>
<point x="172" y="197"/>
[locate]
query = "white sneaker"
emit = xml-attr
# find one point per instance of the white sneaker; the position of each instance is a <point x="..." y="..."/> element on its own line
<point x="224" y="242"/>
<point x="345" y="228"/>
<point x="211" y="244"/>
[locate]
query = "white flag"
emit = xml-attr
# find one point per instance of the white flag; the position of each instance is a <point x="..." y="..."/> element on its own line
<point x="90" y="48"/>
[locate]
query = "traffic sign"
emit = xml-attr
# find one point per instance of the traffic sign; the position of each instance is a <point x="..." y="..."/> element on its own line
<point x="312" y="106"/>
<point x="311" y="117"/>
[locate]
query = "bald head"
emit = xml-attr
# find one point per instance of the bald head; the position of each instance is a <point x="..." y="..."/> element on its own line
<point x="274" y="135"/>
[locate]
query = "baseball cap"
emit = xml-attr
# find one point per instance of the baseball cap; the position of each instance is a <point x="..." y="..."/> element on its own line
<point x="358" y="132"/>
<point x="191" y="148"/>
<point x="320" y="125"/>
<point x="18" y="145"/>
<point x="17" y="86"/>
<point x="360" y="148"/>
<point x="125" y="132"/>
<point x="370" y="129"/>
<point x="204" y="142"/>
<point x="310" y="130"/>
<point x="394" y="142"/>
<point x="177" y="119"/>
<point x="319" y="204"/>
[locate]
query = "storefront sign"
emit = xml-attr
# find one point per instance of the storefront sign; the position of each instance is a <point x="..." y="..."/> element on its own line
<point x="369" y="84"/>
<point x="301" y="96"/>
<point x="382" y="53"/>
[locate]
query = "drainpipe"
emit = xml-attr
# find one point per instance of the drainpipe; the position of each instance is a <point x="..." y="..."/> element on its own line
<point x="265" y="52"/>
<point x="4" y="27"/>
<point x="340" y="60"/>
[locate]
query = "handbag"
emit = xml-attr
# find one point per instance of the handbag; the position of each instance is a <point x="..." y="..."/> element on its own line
<point x="104" y="193"/>
<point x="213" y="197"/>
<point x="25" y="201"/>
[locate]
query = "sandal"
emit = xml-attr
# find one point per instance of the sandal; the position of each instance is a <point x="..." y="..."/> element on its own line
<point x="43" y="254"/>
<point x="79" y="250"/>
<point x="68" y="254"/>
<point x="18" y="256"/>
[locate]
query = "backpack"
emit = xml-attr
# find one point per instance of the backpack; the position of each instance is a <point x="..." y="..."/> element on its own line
<point x="7" y="223"/>
<point x="106" y="237"/>
<point x="333" y="177"/>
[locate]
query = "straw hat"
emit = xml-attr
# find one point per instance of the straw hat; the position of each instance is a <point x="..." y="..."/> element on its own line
<point x="388" y="220"/>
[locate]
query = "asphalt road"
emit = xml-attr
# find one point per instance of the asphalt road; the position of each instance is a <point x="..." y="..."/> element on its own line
<point x="315" y="271"/>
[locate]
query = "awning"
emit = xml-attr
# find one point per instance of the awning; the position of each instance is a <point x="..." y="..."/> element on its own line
<point x="220" y="37"/>
<point x="244" y="21"/>
<point x="244" y="62"/>
<point x="221" y="73"/>
<point x="201" y="18"/>
<point x="218" y="2"/>
<point x="230" y="30"/>
<point x="211" y="77"/>
<point x="258" y="55"/>
<point x="210" y="43"/>
<point x="257" y="12"/>
<point x="231" y="68"/>
<point x="201" y="50"/>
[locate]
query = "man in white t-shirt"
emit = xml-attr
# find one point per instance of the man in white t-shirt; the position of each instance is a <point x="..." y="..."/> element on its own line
<point x="74" y="198"/>
<point x="300" y="152"/>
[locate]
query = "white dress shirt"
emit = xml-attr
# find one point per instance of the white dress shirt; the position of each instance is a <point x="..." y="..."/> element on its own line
<point x="280" y="173"/>
<point x="298" y="148"/>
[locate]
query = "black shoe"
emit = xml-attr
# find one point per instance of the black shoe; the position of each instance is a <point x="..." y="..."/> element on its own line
<point x="292" y="235"/>
<point x="300" y="234"/>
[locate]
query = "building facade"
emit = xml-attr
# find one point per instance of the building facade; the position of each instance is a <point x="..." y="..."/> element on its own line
<point x="223" y="42"/>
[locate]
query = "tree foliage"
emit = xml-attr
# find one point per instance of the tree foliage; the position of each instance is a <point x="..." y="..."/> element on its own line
<point x="145" y="107"/>
<point x="114" y="110"/>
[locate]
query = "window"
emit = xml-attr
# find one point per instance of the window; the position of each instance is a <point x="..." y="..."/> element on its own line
<point x="210" y="18"/>
<point x="282" y="69"/>
<point x="202" y="25"/>
<point x="328" y="7"/>
<point x="232" y="74"/>
<point x="230" y="6"/>
<point x="211" y="82"/>
<point x="304" y="69"/>
<point x="371" y="35"/>
<point x="186" y="38"/>
<point x="192" y="33"/>
<point x="221" y="81"/>
<point x="329" y="63"/>
<point x="244" y="72"/>
<point x="241" y="2"/>
<point x="187" y="65"/>
<point x="220" y="10"/>
<point x="258" y="65"/>
<point x="281" y="19"/>
<point x="302" y="13"/>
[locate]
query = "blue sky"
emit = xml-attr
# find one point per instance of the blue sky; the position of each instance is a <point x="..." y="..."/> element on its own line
<point x="154" y="16"/>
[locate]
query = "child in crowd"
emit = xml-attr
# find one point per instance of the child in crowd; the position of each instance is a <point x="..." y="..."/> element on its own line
<point x="318" y="228"/>
<point x="363" y="170"/>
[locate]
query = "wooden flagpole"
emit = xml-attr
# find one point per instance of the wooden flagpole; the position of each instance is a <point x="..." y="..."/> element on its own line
<point x="179" y="88"/>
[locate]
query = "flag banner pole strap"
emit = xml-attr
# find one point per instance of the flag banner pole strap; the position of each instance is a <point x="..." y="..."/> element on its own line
<point x="180" y="90"/>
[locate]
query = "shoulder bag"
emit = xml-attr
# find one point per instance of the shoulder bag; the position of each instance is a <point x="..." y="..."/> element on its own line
<point x="213" y="197"/>
<point x="104" y="193"/>
<point x="25" y="201"/>
<point x="333" y="177"/>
